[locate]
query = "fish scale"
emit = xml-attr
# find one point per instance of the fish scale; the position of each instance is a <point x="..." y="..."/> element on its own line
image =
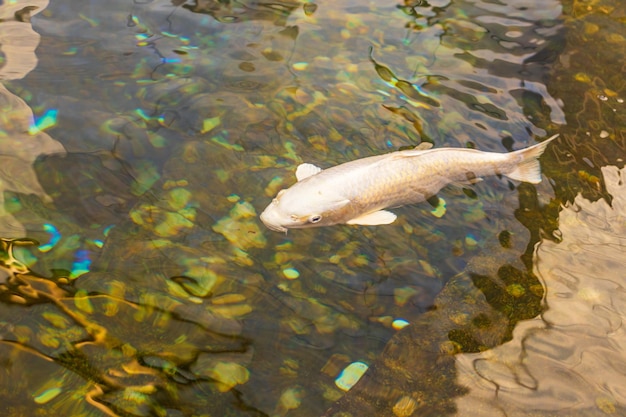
<point x="356" y="192"/>
<point x="413" y="180"/>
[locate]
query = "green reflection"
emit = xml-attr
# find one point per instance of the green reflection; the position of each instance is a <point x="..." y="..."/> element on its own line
<point x="183" y="123"/>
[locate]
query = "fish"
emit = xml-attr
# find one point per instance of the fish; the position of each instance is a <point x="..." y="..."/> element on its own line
<point x="359" y="192"/>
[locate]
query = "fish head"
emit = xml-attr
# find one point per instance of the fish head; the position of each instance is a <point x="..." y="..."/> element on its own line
<point x="298" y="208"/>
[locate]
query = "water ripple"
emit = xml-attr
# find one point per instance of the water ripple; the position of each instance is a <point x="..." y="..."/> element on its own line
<point x="571" y="358"/>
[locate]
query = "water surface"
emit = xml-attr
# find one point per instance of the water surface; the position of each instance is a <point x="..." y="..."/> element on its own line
<point x="141" y="139"/>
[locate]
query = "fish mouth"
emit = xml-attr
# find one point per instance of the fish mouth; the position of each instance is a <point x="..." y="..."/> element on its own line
<point x="276" y="228"/>
<point x="271" y="225"/>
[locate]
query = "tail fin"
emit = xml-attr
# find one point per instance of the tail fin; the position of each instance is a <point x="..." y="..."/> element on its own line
<point x="528" y="170"/>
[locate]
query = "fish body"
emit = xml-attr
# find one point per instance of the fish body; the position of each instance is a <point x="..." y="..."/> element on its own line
<point x="357" y="192"/>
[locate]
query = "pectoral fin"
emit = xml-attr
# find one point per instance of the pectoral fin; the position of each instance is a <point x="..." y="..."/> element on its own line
<point x="374" y="218"/>
<point x="306" y="170"/>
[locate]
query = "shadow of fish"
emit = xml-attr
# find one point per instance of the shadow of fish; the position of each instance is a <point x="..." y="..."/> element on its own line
<point x="357" y="192"/>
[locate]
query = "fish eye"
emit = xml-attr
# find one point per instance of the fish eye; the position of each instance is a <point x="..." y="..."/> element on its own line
<point x="315" y="218"/>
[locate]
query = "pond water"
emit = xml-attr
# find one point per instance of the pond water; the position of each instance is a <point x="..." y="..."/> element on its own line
<point x="139" y="141"/>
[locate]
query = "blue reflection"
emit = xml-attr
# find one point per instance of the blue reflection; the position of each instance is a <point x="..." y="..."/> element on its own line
<point x="107" y="230"/>
<point x="81" y="263"/>
<point x="47" y="120"/>
<point x="54" y="238"/>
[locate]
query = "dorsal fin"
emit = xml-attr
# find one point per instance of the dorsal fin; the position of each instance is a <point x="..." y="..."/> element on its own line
<point x="424" y="146"/>
<point x="306" y="170"/>
<point x="418" y="150"/>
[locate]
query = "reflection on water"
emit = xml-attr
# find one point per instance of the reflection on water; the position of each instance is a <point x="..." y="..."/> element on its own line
<point x="570" y="357"/>
<point x="21" y="141"/>
<point x="144" y="283"/>
<point x="237" y="11"/>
